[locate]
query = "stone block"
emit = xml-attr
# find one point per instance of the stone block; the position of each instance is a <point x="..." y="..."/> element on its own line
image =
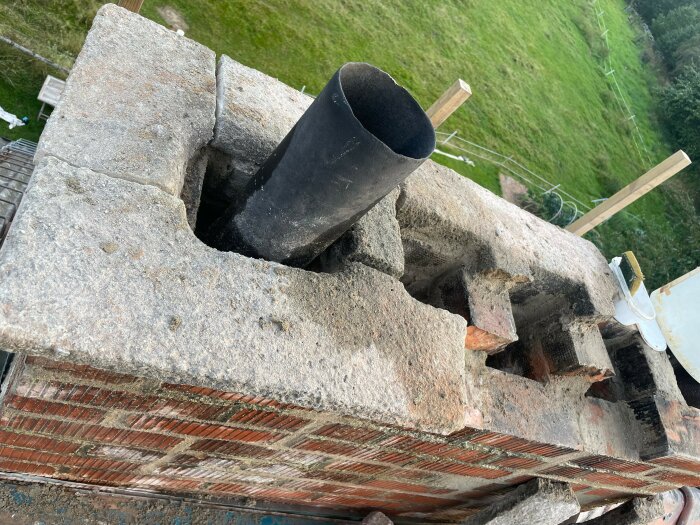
<point x="637" y="511"/>
<point x="374" y="240"/>
<point x="575" y="348"/>
<point x="254" y="112"/>
<point x="377" y="518"/>
<point x="139" y="103"/>
<point x="538" y="501"/>
<point x="107" y="272"/>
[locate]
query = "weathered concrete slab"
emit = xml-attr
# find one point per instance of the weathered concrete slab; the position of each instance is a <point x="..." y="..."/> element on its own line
<point x="139" y="102"/>
<point x="374" y="240"/>
<point x="538" y="501"/>
<point x="119" y="257"/>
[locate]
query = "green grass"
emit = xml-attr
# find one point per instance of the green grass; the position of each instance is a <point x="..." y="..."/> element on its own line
<point x="536" y="69"/>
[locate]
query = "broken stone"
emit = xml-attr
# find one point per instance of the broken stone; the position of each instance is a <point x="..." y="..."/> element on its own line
<point x="539" y="501"/>
<point x="139" y="102"/>
<point x="375" y="240"/>
<point x="637" y="511"/>
<point x="377" y="518"/>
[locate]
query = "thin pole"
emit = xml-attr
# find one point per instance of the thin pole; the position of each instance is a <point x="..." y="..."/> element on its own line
<point x="630" y="193"/>
<point x="448" y="103"/>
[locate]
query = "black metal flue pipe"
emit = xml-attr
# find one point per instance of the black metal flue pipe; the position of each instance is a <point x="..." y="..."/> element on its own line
<point x="361" y="137"/>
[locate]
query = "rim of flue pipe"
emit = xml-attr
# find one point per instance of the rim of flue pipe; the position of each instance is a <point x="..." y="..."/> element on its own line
<point x="376" y="82"/>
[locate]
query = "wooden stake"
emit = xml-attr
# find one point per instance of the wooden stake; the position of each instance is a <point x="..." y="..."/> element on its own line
<point x="131" y="5"/>
<point x="448" y="103"/>
<point x="630" y="193"/>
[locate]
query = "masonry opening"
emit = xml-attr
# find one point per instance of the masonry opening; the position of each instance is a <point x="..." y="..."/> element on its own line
<point x="358" y="140"/>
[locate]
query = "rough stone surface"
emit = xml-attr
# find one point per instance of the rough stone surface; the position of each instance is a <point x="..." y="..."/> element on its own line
<point x="254" y="113"/>
<point x="89" y="250"/>
<point x="375" y="240"/>
<point x="139" y="102"/>
<point x="638" y="511"/>
<point x="538" y="501"/>
<point x="47" y="504"/>
<point x="377" y="518"/>
<point x="448" y="221"/>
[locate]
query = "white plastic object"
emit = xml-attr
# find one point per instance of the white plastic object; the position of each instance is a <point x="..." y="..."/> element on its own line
<point x="11" y="119"/>
<point x="677" y="306"/>
<point x="636" y="310"/>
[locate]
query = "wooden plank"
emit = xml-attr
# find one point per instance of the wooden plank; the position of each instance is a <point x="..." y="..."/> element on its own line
<point x="630" y="193"/>
<point x="131" y="5"/>
<point x="449" y="102"/>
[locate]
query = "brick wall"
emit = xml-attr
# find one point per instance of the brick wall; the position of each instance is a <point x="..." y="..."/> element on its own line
<point x="78" y="423"/>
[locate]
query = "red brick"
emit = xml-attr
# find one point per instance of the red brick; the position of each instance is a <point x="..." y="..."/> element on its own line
<point x="203" y="430"/>
<point x="405" y="487"/>
<point x="108" y="399"/>
<point x="461" y="470"/>
<point x="361" y="492"/>
<point x="81" y="371"/>
<point x="613" y="479"/>
<point x="329" y="475"/>
<point x="134" y="455"/>
<point x="278" y="494"/>
<point x="330" y="447"/>
<point x="161" y="483"/>
<point x="519" y="445"/>
<point x="40" y="406"/>
<point x="269" y="420"/>
<point x="395" y="458"/>
<point x="37" y="442"/>
<point x="678" y="479"/>
<point x="69" y="460"/>
<point x="566" y="472"/>
<point x="362" y="468"/>
<point x="679" y="463"/>
<point x="607" y="463"/>
<point x="518" y="463"/>
<point x="301" y="458"/>
<point x="349" y="433"/>
<point x="26" y="468"/>
<point x="228" y="488"/>
<point x="410" y="444"/>
<point x="231" y="448"/>
<point x="230" y="396"/>
<point x="87" y="432"/>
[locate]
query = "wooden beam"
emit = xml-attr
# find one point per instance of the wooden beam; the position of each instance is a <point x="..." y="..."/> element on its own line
<point x="449" y="102"/>
<point x="630" y="193"/>
<point x="131" y="5"/>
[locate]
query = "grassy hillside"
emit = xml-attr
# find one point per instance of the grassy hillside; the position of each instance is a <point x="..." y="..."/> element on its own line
<point x="536" y="69"/>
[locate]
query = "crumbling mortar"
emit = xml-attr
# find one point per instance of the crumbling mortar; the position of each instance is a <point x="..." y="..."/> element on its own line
<point x="152" y="467"/>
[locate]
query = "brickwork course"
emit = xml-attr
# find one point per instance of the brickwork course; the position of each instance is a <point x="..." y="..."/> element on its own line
<point x="448" y="349"/>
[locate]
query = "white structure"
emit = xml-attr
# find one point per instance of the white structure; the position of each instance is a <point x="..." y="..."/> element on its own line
<point x="50" y="94"/>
